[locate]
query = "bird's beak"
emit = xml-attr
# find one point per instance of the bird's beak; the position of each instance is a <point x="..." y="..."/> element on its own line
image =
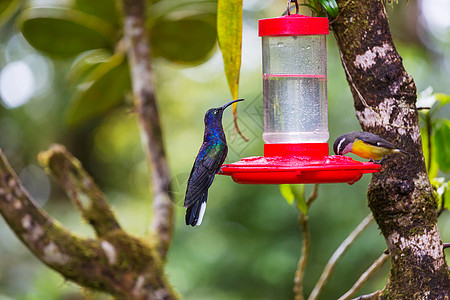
<point x="229" y="103"/>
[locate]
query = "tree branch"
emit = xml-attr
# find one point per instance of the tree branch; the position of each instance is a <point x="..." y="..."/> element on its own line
<point x="117" y="263"/>
<point x="138" y="49"/>
<point x="364" y="278"/>
<point x="303" y="261"/>
<point x="313" y="195"/>
<point x="79" y="187"/>
<point x="328" y="270"/>
<point x="306" y="244"/>
<point x="400" y="196"/>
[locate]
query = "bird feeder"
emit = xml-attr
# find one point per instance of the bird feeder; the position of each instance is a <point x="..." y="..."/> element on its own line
<point x="295" y="110"/>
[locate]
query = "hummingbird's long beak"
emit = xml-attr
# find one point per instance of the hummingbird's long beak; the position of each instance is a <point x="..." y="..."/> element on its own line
<point x="229" y="103"/>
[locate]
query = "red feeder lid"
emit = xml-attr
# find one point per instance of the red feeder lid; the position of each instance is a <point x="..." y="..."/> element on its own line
<point x="297" y="166"/>
<point x="293" y="25"/>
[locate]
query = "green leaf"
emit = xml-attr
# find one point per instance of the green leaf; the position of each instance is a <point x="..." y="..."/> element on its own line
<point x="7" y="10"/>
<point x="441" y="192"/>
<point x="438" y="108"/>
<point x="296" y="192"/>
<point x="446" y="196"/>
<point x="104" y="89"/>
<point x="441" y="140"/>
<point x="331" y="7"/>
<point x="65" y="32"/>
<point x="85" y="63"/>
<point x="104" y="9"/>
<point x="444" y="99"/>
<point x="286" y="192"/>
<point x="299" y="196"/>
<point x="314" y="5"/>
<point x="229" y="33"/>
<point x="181" y="8"/>
<point x="433" y="170"/>
<point x="188" y="40"/>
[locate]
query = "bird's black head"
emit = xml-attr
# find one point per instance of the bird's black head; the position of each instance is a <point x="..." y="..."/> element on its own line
<point x="343" y="144"/>
<point x="215" y="114"/>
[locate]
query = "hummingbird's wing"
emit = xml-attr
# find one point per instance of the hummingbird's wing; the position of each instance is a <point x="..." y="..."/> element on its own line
<point x="202" y="174"/>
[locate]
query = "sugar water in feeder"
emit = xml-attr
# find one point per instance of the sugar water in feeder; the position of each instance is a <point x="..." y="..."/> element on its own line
<point x="295" y="84"/>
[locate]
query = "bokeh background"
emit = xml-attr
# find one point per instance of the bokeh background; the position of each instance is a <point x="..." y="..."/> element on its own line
<point x="249" y="243"/>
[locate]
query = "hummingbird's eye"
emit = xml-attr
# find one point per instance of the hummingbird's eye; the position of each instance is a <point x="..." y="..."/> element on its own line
<point x="216" y="112"/>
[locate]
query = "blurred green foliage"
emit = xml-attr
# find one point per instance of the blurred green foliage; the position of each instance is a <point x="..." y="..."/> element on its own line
<point x="103" y="87"/>
<point x="435" y="131"/>
<point x="180" y="32"/>
<point x="250" y="242"/>
<point x="322" y="8"/>
<point x="330" y="7"/>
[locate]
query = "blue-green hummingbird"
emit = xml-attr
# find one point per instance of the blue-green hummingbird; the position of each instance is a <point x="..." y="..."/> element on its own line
<point x="210" y="157"/>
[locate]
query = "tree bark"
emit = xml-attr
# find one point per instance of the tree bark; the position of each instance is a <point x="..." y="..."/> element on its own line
<point x="400" y="196"/>
<point x="138" y="49"/>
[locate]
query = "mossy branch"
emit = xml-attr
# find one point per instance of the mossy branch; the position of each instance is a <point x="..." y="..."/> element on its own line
<point x="303" y="260"/>
<point x="306" y="245"/>
<point x="80" y="188"/>
<point x="116" y="263"/>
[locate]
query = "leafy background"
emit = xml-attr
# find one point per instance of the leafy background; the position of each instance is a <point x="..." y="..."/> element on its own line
<point x="72" y="88"/>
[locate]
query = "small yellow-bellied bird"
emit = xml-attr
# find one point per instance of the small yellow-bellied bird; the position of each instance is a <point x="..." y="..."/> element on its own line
<point x="366" y="145"/>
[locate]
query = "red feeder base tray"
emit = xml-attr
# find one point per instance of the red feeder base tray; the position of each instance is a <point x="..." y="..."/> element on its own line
<point x="298" y="163"/>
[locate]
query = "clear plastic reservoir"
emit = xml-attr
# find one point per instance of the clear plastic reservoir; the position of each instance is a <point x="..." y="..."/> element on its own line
<point x="295" y="89"/>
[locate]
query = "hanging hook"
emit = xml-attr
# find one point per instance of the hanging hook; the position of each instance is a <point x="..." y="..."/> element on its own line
<point x="289" y="7"/>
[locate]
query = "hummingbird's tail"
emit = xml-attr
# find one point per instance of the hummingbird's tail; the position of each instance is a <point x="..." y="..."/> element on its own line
<point x="195" y="212"/>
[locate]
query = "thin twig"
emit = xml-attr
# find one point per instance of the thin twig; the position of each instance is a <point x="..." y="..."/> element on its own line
<point x="446" y="245"/>
<point x="306" y="241"/>
<point x="372" y="296"/>
<point x="303" y="261"/>
<point x="313" y="195"/>
<point x="80" y="187"/>
<point x="328" y="270"/>
<point x="138" y="49"/>
<point x="236" y="126"/>
<point x="365" y="277"/>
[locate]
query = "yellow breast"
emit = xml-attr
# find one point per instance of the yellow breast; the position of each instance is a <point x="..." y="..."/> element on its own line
<point x="369" y="151"/>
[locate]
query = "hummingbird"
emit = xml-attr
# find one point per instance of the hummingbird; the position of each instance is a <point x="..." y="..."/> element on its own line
<point x="210" y="157"/>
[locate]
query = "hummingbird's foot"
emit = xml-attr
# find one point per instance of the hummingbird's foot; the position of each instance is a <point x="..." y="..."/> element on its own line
<point x="220" y="171"/>
<point x="376" y="161"/>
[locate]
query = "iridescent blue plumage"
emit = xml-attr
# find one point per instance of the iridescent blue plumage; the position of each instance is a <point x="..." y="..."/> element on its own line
<point x="209" y="159"/>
